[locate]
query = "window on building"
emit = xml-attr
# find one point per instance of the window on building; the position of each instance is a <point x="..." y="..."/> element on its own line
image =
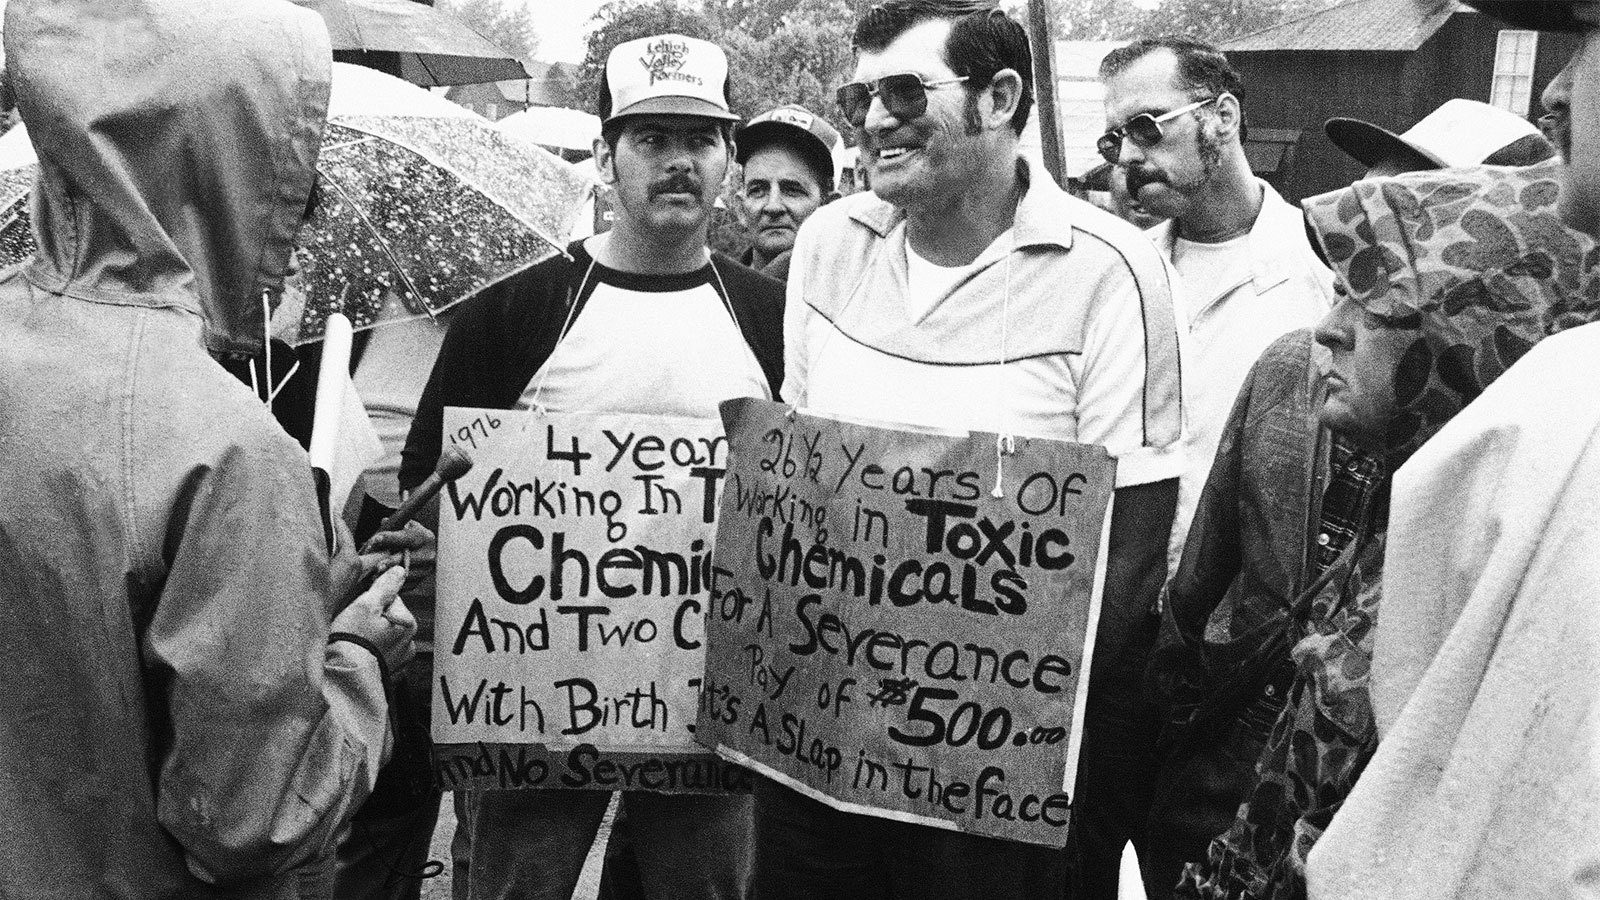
<point x="1512" y="88"/>
<point x="492" y="110"/>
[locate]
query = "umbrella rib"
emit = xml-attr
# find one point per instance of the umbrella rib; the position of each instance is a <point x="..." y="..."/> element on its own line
<point x="422" y="60"/>
<point x="382" y="245"/>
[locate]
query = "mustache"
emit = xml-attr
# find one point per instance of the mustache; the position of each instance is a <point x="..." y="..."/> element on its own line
<point x="1138" y="177"/>
<point x="675" y="184"/>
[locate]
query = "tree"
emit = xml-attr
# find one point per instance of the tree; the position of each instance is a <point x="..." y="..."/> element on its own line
<point x="803" y="61"/>
<point x="508" y="24"/>
<point x="779" y="51"/>
<point x="761" y="18"/>
<point x="620" y="21"/>
<point x="1212" y="21"/>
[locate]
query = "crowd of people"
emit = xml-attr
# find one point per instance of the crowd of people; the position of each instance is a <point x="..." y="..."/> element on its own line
<point x="1349" y="639"/>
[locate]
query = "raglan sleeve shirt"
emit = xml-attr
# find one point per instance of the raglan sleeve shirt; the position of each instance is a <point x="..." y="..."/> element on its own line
<point x="1114" y="387"/>
<point x="1113" y="398"/>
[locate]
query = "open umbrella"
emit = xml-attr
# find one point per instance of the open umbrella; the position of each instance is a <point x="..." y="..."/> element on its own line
<point x="419" y="211"/>
<point x="18" y="168"/>
<point x="416" y="211"/>
<point x="16" y="232"/>
<point x="553" y="126"/>
<point x="435" y="48"/>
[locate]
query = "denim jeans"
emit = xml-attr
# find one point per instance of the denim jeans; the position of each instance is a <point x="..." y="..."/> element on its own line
<point x="531" y="845"/>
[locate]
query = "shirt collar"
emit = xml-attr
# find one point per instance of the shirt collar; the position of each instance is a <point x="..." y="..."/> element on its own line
<point x="1276" y="236"/>
<point x="1044" y="215"/>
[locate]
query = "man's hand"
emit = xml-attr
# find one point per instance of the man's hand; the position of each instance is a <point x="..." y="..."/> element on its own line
<point x="382" y="618"/>
<point x="413" y="546"/>
<point x="414" y="538"/>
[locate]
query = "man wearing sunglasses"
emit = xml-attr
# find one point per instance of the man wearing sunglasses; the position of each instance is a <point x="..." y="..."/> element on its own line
<point x="1248" y="272"/>
<point x="967" y="291"/>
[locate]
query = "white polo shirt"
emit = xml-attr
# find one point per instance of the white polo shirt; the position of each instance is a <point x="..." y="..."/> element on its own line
<point x="1046" y="333"/>
<point x="1242" y="296"/>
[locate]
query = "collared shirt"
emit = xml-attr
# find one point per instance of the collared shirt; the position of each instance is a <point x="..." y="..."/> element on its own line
<point x="1047" y="335"/>
<point x="1281" y="285"/>
<point x="1353" y="479"/>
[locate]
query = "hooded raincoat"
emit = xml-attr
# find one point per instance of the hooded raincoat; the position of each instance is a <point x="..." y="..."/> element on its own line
<point x="175" y="723"/>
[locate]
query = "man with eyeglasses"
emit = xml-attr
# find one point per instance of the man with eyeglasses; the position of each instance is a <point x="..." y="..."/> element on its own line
<point x="1247" y="270"/>
<point x="967" y="291"/>
<point x="1249" y="275"/>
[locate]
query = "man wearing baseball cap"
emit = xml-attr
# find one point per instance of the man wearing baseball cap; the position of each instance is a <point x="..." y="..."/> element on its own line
<point x="641" y="319"/>
<point x="788" y="159"/>
<point x="1484" y="675"/>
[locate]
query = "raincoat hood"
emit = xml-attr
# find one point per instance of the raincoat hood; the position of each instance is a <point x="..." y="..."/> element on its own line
<point x="145" y="114"/>
<point x="1475" y="261"/>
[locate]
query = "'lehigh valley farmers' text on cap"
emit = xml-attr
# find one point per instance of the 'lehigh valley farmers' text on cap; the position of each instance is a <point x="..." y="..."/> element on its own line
<point x="668" y="74"/>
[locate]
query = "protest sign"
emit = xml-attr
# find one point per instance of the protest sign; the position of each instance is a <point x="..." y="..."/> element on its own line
<point x="888" y="636"/>
<point x="574" y="564"/>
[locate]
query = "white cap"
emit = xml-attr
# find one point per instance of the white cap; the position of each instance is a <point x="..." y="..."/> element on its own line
<point x="1459" y="133"/>
<point x="668" y="74"/>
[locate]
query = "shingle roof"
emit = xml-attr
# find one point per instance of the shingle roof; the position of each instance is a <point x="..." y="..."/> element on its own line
<point x="1355" y="25"/>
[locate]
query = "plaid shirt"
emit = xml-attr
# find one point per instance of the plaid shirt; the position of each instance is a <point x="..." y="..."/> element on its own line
<point x="1353" y="478"/>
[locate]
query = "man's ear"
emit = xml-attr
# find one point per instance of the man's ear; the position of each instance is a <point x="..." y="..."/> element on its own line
<point x="1229" y="115"/>
<point x="604" y="161"/>
<point x="1005" y="92"/>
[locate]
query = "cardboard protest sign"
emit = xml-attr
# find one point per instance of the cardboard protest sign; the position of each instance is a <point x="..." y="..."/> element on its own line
<point x="889" y="637"/>
<point x="574" y="564"/>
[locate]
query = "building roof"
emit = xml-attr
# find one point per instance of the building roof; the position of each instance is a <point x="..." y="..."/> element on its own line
<point x="1355" y="25"/>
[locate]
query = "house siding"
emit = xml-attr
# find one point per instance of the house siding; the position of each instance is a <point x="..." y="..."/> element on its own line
<point x="1303" y="89"/>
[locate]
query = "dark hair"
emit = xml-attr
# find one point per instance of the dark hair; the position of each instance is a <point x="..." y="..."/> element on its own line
<point x="983" y="40"/>
<point x="1203" y="70"/>
<point x="611" y="130"/>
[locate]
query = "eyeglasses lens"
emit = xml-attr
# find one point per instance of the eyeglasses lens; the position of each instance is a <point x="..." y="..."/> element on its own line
<point x="903" y="96"/>
<point x="854" y="99"/>
<point x="1142" y="129"/>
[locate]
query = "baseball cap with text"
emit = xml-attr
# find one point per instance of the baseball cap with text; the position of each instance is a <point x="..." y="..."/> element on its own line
<point x="668" y="74"/>
<point x="818" y="142"/>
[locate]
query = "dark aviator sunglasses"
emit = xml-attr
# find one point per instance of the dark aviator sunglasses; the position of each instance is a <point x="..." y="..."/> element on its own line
<point x="905" y="96"/>
<point x="1144" y="130"/>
